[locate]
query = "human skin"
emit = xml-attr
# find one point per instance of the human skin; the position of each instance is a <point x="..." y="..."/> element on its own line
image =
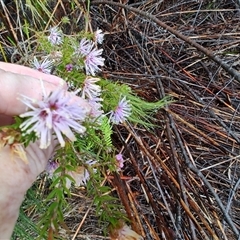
<point x="16" y="176"/>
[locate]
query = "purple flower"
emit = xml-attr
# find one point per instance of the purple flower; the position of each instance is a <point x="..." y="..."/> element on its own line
<point x="120" y="161"/>
<point x="90" y="89"/>
<point x="85" y="47"/>
<point x="57" y="113"/>
<point x="99" y="36"/>
<point x="93" y="60"/>
<point x="44" y="66"/>
<point x="122" y="112"/>
<point x="69" y="67"/>
<point x="55" y="36"/>
<point x="92" y="56"/>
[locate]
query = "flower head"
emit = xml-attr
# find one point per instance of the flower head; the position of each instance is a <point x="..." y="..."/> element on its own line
<point x="92" y="60"/>
<point x="120" y="161"/>
<point x="90" y="89"/>
<point x="85" y="47"/>
<point x="56" y="113"/>
<point x="122" y="112"/>
<point x="55" y="36"/>
<point x="44" y="66"/>
<point x="99" y="36"/>
<point x="69" y="67"/>
<point x="92" y="56"/>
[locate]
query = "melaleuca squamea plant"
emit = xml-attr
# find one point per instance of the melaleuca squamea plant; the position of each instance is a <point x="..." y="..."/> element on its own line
<point x="82" y="116"/>
<point x="78" y="60"/>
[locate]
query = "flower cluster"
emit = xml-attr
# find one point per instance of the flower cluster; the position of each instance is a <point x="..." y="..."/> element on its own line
<point x="92" y="92"/>
<point x="86" y="50"/>
<point x="56" y="113"/>
<point x="120" y="161"/>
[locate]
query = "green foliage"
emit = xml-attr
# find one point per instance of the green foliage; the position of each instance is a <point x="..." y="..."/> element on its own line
<point x="2" y="52"/>
<point x="39" y="11"/>
<point x="20" y="229"/>
<point x="25" y="228"/>
<point x="56" y="202"/>
<point x="142" y="111"/>
<point x="108" y="208"/>
<point x="106" y="130"/>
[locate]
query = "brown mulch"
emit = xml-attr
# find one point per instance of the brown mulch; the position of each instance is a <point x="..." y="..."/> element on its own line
<point x="197" y="140"/>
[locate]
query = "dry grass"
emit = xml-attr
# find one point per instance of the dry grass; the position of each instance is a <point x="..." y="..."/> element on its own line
<point x="181" y="180"/>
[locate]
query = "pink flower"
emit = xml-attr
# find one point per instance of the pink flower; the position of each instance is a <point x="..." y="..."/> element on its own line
<point x="45" y="66"/>
<point x="55" y="114"/>
<point x="90" y="89"/>
<point x="122" y="112"/>
<point x="69" y="67"/>
<point x="55" y="37"/>
<point x="120" y="161"/>
<point x="85" y="47"/>
<point x="92" y="56"/>
<point x="99" y="36"/>
<point x="93" y="60"/>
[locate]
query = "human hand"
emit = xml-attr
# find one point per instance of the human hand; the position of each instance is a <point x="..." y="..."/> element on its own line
<point x="16" y="176"/>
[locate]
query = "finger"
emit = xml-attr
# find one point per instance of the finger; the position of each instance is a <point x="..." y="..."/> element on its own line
<point x="6" y="120"/>
<point x="14" y="85"/>
<point x="14" y="68"/>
